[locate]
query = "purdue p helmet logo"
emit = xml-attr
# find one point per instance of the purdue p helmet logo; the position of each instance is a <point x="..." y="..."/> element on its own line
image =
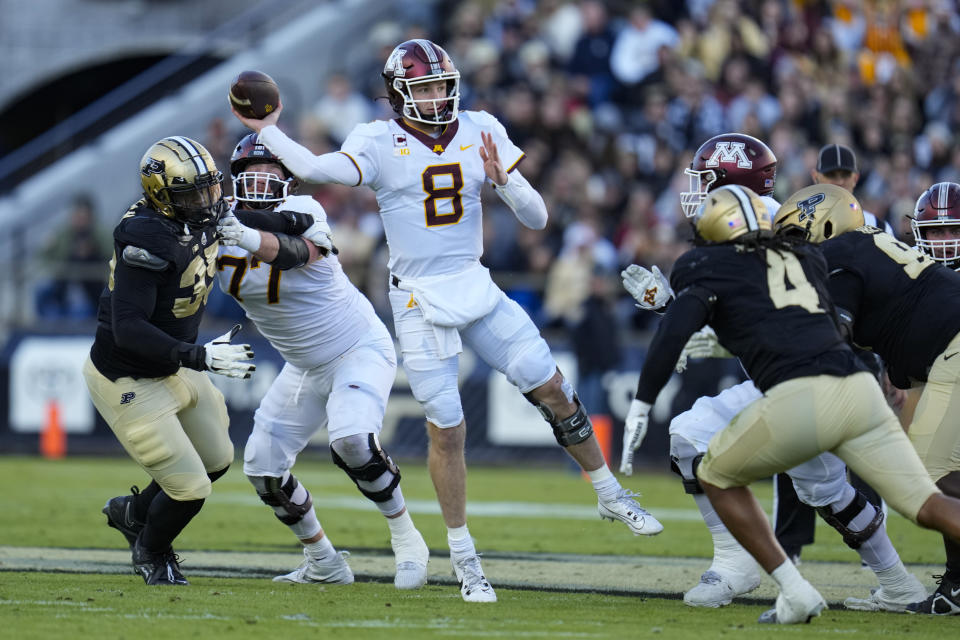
<point x="809" y="206"/>
<point x="728" y="153"/>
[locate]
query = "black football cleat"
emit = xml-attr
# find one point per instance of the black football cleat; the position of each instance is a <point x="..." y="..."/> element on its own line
<point x="157" y="569"/>
<point x="945" y="601"/>
<point x="119" y="512"/>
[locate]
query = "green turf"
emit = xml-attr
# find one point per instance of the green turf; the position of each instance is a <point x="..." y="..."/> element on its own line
<point x="42" y="606"/>
<point x="57" y="504"/>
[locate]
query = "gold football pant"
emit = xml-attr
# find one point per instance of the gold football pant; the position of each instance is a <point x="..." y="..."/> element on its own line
<point x="800" y="418"/>
<point x="174" y="427"/>
<point x="935" y="428"/>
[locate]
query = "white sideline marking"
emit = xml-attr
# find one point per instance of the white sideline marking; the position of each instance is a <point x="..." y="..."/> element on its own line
<point x="474" y="508"/>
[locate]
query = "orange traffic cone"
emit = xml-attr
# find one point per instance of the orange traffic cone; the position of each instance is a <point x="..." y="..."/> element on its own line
<point x="53" y="439"/>
<point x="603" y="430"/>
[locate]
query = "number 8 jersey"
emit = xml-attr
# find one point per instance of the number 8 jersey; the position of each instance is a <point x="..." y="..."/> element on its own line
<point x="429" y="188"/>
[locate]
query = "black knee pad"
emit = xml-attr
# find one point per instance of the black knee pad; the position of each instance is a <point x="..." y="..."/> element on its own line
<point x="569" y="431"/>
<point x="841" y="521"/>
<point x="690" y="485"/>
<point x="278" y="496"/>
<point x="378" y="464"/>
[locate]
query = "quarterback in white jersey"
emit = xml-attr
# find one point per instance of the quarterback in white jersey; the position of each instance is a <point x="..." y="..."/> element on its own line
<point x="340" y="364"/>
<point x="427" y="168"/>
<point x="820" y="482"/>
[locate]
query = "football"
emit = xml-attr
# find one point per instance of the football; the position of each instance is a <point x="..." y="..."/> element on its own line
<point x="254" y="94"/>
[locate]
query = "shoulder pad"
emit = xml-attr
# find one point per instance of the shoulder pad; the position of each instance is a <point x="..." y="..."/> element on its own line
<point x="137" y="257"/>
<point x="302" y="204"/>
<point x="481" y="118"/>
<point x="151" y="231"/>
<point x="370" y="129"/>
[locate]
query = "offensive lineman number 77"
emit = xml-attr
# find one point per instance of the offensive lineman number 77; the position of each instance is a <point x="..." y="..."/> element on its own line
<point x="240" y="269"/>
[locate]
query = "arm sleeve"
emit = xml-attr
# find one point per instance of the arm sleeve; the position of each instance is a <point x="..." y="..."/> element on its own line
<point x="292" y="223"/>
<point x="335" y="167"/>
<point x="686" y="315"/>
<point x="525" y="202"/>
<point x="134" y="298"/>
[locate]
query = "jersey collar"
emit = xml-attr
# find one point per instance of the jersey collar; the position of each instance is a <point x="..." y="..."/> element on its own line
<point x="437" y="145"/>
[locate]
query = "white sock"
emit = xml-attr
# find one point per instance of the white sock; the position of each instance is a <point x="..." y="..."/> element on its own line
<point x="604" y="483"/>
<point x="461" y="544"/>
<point x="787" y="577"/>
<point x="320" y="550"/>
<point x="893" y="577"/>
<point x="401" y="526"/>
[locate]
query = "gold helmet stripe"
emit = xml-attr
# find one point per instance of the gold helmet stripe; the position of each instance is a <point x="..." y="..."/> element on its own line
<point x="746" y="206"/>
<point x="193" y="153"/>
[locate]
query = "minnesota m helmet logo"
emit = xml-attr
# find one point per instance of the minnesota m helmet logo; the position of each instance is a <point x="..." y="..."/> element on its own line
<point x="729" y="152"/>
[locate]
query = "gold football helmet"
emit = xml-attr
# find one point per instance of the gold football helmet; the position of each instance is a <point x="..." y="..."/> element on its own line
<point x="181" y="181"/>
<point x="820" y="212"/>
<point x="730" y="212"/>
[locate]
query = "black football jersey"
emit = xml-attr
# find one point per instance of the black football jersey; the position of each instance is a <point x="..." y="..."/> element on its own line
<point x="165" y="302"/>
<point x="905" y="305"/>
<point x="770" y="308"/>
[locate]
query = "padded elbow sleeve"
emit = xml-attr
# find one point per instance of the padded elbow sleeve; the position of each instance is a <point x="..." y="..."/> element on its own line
<point x="293" y="252"/>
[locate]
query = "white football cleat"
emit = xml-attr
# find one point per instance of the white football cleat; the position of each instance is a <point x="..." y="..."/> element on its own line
<point x="889" y="598"/>
<point x="799" y="607"/>
<point x="719" y="589"/>
<point x="628" y="511"/>
<point x="411" y="554"/>
<point x="334" y="571"/>
<point x="473" y="585"/>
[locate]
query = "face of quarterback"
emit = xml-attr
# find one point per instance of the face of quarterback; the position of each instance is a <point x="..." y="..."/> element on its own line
<point x="429" y="96"/>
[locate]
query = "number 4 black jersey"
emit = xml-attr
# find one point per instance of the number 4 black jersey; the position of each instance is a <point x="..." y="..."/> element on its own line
<point x="905" y="306"/>
<point x="769" y="307"/>
<point x="160" y="277"/>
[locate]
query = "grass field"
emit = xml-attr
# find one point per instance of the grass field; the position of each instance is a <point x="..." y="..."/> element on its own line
<point x="558" y="569"/>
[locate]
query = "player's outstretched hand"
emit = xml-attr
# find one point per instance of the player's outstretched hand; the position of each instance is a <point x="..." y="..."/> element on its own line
<point x="491" y="160"/>
<point x="650" y="289"/>
<point x="231" y="360"/>
<point x="255" y="124"/>
<point x="634" y="430"/>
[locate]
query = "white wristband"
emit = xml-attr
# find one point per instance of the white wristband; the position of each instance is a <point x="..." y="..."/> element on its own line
<point x="250" y="240"/>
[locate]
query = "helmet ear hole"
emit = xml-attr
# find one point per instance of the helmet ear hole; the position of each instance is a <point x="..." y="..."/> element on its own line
<point x="827" y="230"/>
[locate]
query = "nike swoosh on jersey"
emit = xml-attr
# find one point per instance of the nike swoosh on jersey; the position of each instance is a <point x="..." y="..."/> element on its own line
<point x="464" y="148"/>
<point x="951" y="355"/>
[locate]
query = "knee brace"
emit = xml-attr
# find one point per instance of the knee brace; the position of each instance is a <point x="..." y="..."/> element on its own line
<point x="684" y="460"/>
<point x="278" y="494"/>
<point x="370" y="468"/>
<point x="841" y="521"/>
<point x="569" y="431"/>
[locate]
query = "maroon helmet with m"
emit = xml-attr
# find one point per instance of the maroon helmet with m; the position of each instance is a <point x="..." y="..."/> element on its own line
<point x="729" y="158"/>
<point x="936" y="211"/>
<point x="417" y="62"/>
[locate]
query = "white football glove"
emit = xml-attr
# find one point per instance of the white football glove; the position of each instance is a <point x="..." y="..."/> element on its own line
<point x="319" y="234"/>
<point x="702" y="344"/>
<point x="233" y="233"/>
<point x="227" y="359"/>
<point x="634" y="430"/>
<point x="650" y="289"/>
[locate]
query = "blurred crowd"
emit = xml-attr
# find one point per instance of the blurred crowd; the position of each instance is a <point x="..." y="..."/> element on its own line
<point x="610" y="99"/>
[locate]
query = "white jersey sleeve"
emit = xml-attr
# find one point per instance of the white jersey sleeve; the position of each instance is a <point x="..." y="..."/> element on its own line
<point x="362" y="147"/>
<point x="330" y="167"/>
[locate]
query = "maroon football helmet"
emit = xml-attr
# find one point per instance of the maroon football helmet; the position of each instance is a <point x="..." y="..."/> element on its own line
<point x="729" y="158"/>
<point x="416" y="62"/>
<point x="936" y="223"/>
<point x="259" y="190"/>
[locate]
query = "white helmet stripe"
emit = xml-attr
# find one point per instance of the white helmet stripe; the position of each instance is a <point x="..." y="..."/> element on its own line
<point x="746" y="206"/>
<point x="942" y="196"/>
<point x="195" y="155"/>
<point x="428" y="49"/>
